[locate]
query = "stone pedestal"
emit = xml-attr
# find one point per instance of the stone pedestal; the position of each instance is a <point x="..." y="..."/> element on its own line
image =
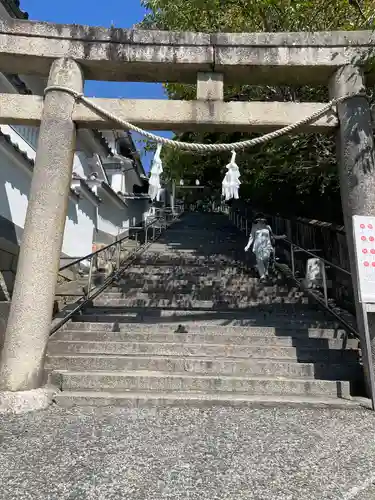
<point x="356" y="160"/>
<point x="30" y="315"/>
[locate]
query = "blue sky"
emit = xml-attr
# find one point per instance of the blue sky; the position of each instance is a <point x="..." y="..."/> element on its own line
<point x="123" y="14"/>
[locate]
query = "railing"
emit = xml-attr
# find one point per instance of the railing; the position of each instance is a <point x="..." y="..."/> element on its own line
<point x="161" y="219"/>
<point x="328" y="241"/>
<point x="116" y="256"/>
<point x="208" y="207"/>
<point x="292" y="257"/>
<point x="111" y="254"/>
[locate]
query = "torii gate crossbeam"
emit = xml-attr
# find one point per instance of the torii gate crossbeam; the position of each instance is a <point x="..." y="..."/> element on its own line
<point x="162" y="56"/>
<point x="69" y="54"/>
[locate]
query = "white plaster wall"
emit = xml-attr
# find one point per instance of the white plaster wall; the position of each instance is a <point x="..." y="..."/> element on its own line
<point x="138" y="210"/>
<point x="80" y="166"/>
<point x="117" y="182"/>
<point x="14" y="189"/>
<point x="115" y="222"/>
<point x="79" y="228"/>
<point x="111" y="219"/>
<point x="15" y="180"/>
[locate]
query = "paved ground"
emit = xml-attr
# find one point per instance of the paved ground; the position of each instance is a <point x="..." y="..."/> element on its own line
<point x="231" y="454"/>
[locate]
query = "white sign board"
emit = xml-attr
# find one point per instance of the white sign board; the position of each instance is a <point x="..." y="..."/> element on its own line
<point x="364" y="244"/>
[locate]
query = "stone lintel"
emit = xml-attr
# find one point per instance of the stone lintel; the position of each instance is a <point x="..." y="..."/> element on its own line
<point x="18" y="109"/>
<point x="154" y="114"/>
<point x="28" y="47"/>
<point x="204" y="115"/>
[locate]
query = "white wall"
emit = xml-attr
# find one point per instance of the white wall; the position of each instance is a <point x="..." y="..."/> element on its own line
<point x="114" y="221"/>
<point x="117" y="182"/>
<point x="83" y="217"/>
<point x="14" y="189"/>
<point x="15" y="181"/>
<point x="81" y="222"/>
<point x="80" y="166"/>
<point x="111" y="219"/>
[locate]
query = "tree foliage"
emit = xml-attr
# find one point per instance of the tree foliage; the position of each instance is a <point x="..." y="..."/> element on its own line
<point x="295" y="174"/>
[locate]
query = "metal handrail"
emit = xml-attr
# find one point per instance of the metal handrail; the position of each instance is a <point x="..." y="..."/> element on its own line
<point x="157" y="219"/>
<point x="328" y="263"/>
<point x="97" y="252"/>
<point x="237" y="219"/>
<point x="88" y="296"/>
<point x="116" y="246"/>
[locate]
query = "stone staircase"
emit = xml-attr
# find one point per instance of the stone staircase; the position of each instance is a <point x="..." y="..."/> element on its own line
<point x="188" y="323"/>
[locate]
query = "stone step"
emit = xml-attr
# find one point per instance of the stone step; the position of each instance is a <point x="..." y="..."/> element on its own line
<point x="182" y="382"/>
<point x="232" y="263"/>
<point x="104" y="300"/>
<point x="153" y="278"/>
<point x="171" y="286"/>
<point x="292" y="311"/>
<point x="176" y="318"/>
<point x="204" y="268"/>
<point x="200" y="277"/>
<point x="71" y="288"/>
<point x="301" y="341"/>
<point x="280" y="312"/>
<point x="57" y="347"/>
<point x="155" y="273"/>
<point x="224" y="330"/>
<point x="221" y="256"/>
<point x="198" y="365"/>
<point x="155" y="286"/>
<point x="200" y="293"/>
<point x="131" y="399"/>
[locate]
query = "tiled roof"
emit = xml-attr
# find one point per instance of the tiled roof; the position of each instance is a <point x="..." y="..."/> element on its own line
<point x="84" y="184"/>
<point x="8" y="139"/>
<point x="129" y="150"/>
<point x="16" y="81"/>
<point x="103" y="141"/>
<point x="106" y="189"/>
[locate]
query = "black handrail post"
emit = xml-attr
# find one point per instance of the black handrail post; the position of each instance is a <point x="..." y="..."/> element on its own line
<point x="89" y="281"/>
<point x="118" y="254"/>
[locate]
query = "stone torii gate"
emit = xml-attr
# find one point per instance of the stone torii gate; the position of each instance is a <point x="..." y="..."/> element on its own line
<point x="70" y="54"/>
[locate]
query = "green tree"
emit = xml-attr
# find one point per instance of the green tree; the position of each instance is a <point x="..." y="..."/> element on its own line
<point x="301" y="168"/>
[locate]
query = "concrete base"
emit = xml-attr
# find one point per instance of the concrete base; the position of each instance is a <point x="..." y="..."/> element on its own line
<point x="15" y="403"/>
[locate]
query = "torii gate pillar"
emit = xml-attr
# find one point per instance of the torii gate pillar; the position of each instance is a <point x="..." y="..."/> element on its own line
<point x="29" y="323"/>
<point x="356" y="160"/>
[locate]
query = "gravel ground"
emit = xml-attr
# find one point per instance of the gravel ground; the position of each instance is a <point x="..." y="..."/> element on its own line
<point x="222" y="453"/>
